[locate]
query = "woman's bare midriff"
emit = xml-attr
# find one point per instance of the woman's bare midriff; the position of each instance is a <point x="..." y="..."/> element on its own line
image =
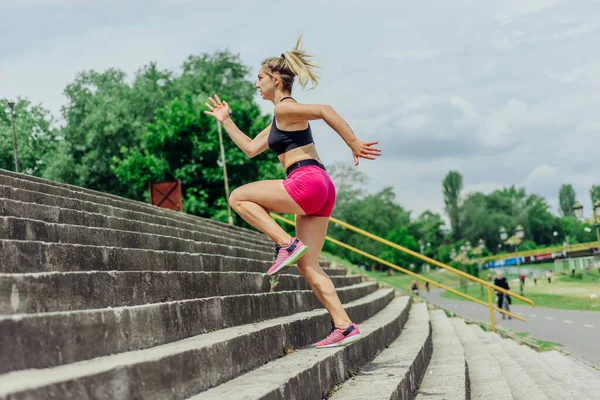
<point x="301" y="153"/>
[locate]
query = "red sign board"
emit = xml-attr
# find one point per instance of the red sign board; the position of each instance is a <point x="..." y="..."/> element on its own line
<point x="166" y="195"/>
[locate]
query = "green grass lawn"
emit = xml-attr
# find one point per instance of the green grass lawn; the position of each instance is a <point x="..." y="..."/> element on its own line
<point x="398" y="280"/>
<point x="564" y="292"/>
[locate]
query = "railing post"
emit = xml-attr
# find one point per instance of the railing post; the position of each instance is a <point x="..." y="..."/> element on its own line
<point x="491" y="304"/>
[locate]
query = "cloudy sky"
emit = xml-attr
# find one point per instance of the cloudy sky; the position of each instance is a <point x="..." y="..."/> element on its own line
<point x="505" y="92"/>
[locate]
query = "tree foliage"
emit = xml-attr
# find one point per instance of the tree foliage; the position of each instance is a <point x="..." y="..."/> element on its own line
<point x="37" y="138"/>
<point x="566" y="200"/>
<point x="452" y="186"/>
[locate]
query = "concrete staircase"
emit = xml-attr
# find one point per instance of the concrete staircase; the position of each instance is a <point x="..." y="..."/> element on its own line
<point x="107" y="298"/>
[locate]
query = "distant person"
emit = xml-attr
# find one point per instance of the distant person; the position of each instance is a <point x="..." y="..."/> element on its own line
<point x="522" y="282"/>
<point x="415" y="287"/>
<point x="503" y="300"/>
<point x="390" y="272"/>
<point x="549" y="276"/>
<point x="489" y="276"/>
<point x="535" y="277"/>
<point x="427" y="286"/>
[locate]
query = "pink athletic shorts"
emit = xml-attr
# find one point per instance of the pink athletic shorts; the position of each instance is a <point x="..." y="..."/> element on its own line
<point x="312" y="189"/>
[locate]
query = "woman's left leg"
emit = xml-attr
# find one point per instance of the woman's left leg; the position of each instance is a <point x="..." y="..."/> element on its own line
<point x="311" y="230"/>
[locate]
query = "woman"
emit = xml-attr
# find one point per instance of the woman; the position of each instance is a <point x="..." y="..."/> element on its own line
<point x="308" y="192"/>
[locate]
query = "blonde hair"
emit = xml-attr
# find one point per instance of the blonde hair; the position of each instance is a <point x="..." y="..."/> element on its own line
<point x="291" y="64"/>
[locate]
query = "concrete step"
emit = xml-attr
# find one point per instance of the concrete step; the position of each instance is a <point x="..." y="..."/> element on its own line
<point x="549" y="381"/>
<point x="445" y="378"/>
<point x="557" y="376"/>
<point x="586" y="379"/>
<point x="64" y="291"/>
<point x="57" y="215"/>
<point x="18" y="256"/>
<point x="50" y="339"/>
<point x="521" y="385"/>
<point x="485" y="377"/>
<point x="185" y="367"/>
<point x="397" y="371"/>
<point x="27" y="182"/>
<point x="309" y="373"/>
<point x="28" y="229"/>
<point x="14" y="199"/>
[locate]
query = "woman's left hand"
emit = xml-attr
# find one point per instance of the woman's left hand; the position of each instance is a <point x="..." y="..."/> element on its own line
<point x="362" y="149"/>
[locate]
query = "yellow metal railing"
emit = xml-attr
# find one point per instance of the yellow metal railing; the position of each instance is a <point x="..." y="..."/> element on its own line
<point x="527" y="253"/>
<point x="490" y="287"/>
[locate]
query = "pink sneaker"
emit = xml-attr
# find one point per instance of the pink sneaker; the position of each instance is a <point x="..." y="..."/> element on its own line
<point x="286" y="256"/>
<point x="340" y="337"/>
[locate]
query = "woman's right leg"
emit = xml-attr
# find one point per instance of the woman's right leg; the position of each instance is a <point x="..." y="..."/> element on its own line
<point x="253" y="202"/>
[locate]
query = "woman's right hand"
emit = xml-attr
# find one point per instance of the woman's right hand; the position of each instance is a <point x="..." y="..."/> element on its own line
<point x="219" y="109"/>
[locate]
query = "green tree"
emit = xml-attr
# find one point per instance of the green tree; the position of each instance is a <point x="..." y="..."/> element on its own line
<point x="566" y="199"/>
<point x="401" y="236"/>
<point x="105" y="113"/>
<point x="182" y="143"/>
<point x="377" y="213"/>
<point x="428" y="227"/>
<point x="36" y="136"/>
<point x="452" y="186"/>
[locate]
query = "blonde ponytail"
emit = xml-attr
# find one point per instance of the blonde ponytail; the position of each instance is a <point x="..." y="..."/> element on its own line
<point x="298" y="62"/>
<point x="291" y="64"/>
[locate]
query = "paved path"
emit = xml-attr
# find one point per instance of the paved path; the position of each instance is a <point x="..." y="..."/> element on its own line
<point x="577" y="331"/>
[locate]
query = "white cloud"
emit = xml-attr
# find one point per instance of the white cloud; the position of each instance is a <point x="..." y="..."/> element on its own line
<point x="507" y="10"/>
<point x="587" y="74"/>
<point x="414" y="55"/>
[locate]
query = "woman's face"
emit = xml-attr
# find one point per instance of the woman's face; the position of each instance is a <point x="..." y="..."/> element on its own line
<point x="265" y="85"/>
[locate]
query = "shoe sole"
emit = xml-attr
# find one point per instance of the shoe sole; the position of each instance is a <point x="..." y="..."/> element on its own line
<point x="344" y="342"/>
<point x="289" y="261"/>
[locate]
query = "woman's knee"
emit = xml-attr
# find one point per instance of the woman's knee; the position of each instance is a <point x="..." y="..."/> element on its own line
<point x="235" y="198"/>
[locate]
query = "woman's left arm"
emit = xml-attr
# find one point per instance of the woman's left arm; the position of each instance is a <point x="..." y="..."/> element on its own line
<point x="292" y="112"/>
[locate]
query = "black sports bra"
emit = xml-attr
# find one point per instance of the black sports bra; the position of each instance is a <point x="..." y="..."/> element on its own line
<point x="283" y="141"/>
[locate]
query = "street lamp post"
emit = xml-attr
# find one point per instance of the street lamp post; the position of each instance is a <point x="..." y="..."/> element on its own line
<point x="11" y="104"/>
<point x="578" y="208"/>
<point x="503" y="234"/>
<point x="596" y="219"/>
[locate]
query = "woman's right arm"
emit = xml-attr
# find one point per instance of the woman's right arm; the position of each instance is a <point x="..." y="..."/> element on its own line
<point x="250" y="147"/>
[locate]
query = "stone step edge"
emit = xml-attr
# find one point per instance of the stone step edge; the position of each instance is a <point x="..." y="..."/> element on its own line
<point x="556" y="376"/>
<point x="57" y="253"/>
<point x="201" y="347"/>
<point x="111" y="197"/>
<point x="52" y="210"/>
<point x="485" y="376"/>
<point x="28" y="229"/>
<point x="549" y="386"/>
<point x="581" y="375"/>
<point x="446" y="375"/>
<point x="399" y="368"/>
<point x="71" y="291"/>
<point x="519" y="382"/>
<point x="308" y="373"/>
<point x="14" y="221"/>
<point x="59" y="333"/>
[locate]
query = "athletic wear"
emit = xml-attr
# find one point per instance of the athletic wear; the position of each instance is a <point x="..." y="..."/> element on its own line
<point x="312" y="189"/>
<point x="286" y="256"/>
<point x="282" y="141"/>
<point x="340" y="337"/>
